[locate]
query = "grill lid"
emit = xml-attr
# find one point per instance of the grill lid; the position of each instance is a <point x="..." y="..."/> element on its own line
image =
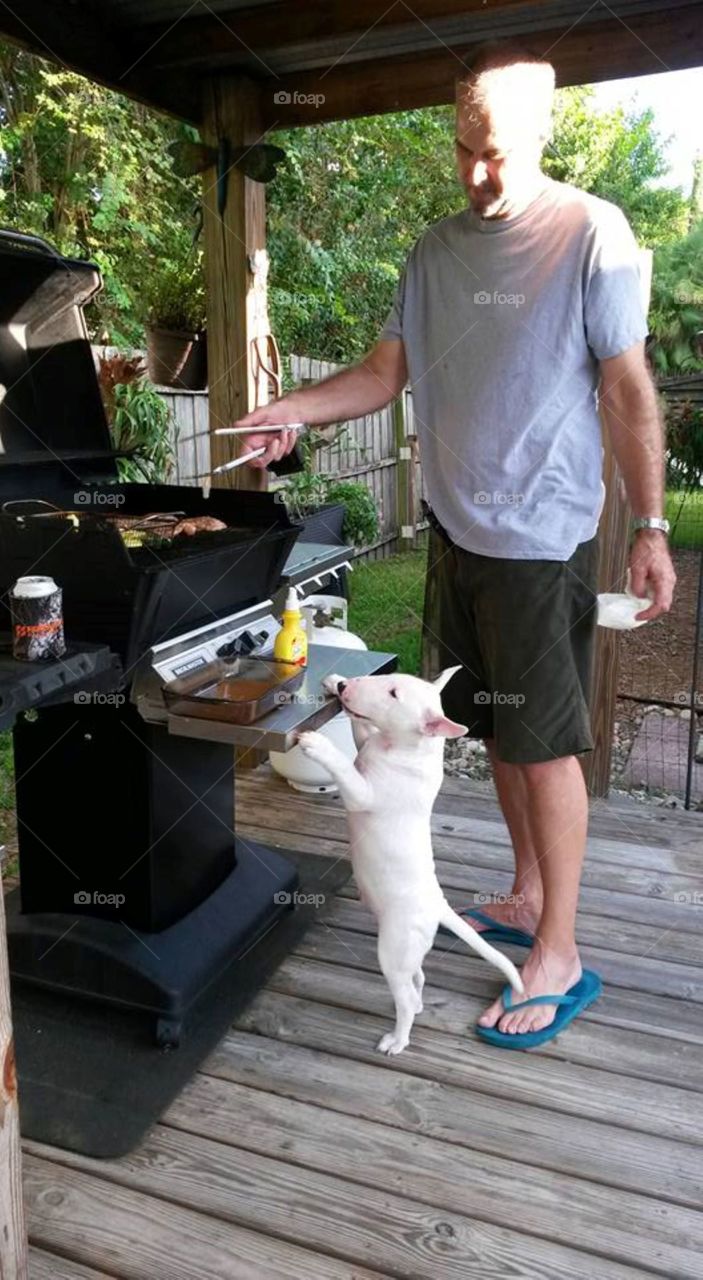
<point x="52" y="418"/>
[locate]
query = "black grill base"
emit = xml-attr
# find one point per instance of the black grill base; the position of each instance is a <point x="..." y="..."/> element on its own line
<point x="162" y="973"/>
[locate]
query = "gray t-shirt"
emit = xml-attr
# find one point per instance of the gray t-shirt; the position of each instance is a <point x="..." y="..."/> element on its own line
<point x="503" y="324"/>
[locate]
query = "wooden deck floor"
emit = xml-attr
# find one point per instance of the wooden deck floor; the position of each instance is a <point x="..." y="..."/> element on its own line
<point x="299" y="1152"/>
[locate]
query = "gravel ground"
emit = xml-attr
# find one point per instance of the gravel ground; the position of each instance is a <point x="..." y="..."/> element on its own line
<point x="467" y="757"/>
<point x="655" y="662"/>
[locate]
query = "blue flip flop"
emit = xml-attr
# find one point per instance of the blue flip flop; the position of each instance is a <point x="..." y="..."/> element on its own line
<point x="584" y="992"/>
<point x="497" y="932"/>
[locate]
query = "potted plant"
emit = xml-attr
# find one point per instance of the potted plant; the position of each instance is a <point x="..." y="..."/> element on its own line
<point x="174" y="320"/>
<point x="332" y="511"/>
<point x="305" y="498"/>
<point x="139" y="419"/>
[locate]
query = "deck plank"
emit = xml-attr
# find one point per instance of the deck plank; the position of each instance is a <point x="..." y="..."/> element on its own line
<point x="401" y="1236"/>
<point x="645" y="973"/>
<point x="590" y="1043"/>
<point x="48" y="1266"/>
<point x="335" y="1076"/>
<point x="298" y="1151"/>
<point x="324" y="816"/>
<point x="456" y="971"/>
<point x="138" y="1235"/>
<point x="613" y="819"/>
<point x="569" y="1089"/>
<point x="677" y="945"/>
<point x="617" y="1224"/>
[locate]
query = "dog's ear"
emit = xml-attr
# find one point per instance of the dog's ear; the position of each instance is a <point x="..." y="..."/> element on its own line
<point x="444" y="677"/>
<point x="443" y="727"/>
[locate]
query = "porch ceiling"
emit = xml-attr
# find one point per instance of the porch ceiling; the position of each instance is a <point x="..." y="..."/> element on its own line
<point x="317" y="60"/>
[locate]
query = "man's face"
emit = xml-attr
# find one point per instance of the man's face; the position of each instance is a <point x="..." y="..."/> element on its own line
<point x="496" y="163"/>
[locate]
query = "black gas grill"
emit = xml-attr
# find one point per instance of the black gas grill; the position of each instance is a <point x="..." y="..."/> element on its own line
<point x="133" y="887"/>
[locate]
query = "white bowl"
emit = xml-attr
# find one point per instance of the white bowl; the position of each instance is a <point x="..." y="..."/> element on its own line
<point x="304" y="774"/>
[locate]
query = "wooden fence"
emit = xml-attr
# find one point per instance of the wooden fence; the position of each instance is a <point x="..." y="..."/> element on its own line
<point x="378" y="450"/>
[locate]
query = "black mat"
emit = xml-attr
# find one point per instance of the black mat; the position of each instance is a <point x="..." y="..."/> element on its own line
<point x="92" y="1079"/>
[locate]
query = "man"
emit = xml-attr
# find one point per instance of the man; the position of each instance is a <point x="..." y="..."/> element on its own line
<point x="509" y="318"/>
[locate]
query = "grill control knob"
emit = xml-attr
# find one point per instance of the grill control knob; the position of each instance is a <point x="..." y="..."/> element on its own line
<point x="242" y="644"/>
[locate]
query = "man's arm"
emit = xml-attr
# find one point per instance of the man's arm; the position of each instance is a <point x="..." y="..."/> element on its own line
<point x="631" y="412"/>
<point x="361" y="389"/>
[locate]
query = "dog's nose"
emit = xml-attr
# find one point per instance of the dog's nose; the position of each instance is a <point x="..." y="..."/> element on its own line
<point x="341" y="687"/>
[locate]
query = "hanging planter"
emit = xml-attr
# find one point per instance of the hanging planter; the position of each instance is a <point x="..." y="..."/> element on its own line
<point x="176" y="358"/>
<point x="173" y="302"/>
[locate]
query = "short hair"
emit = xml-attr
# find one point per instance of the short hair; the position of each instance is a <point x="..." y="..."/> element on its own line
<point x="504" y="75"/>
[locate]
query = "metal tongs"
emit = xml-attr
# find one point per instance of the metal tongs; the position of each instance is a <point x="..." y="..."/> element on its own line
<point x="245" y="457"/>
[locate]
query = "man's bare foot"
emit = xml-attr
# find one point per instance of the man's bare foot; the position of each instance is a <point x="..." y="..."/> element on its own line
<point x="545" y="972"/>
<point x="518" y="912"/>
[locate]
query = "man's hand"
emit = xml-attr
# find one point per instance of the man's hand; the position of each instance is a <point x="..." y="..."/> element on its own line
<point x="652" y="572"/>
<point x="364" y="388"/>
<point x="276" y="443"/>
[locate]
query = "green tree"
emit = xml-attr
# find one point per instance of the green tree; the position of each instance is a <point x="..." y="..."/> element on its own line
<point x="676" y="313"/>
<point x="619" y="156"/>
<point x="354" y="196"/>
<point x="343" y="213"/>
<point x="90" y="170"/>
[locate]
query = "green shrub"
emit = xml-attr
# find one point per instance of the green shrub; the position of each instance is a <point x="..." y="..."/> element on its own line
<point x="684" y="444"/>
<point x="360" y="515"/>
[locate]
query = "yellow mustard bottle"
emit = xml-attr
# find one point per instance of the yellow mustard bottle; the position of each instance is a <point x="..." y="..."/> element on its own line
<point x="291" y="643"/>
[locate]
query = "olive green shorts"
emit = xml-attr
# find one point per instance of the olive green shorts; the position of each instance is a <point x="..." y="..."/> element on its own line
<point x="524" y="634"/>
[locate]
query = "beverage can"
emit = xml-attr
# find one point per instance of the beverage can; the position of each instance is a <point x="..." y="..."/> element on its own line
<point x="36" y="606"/>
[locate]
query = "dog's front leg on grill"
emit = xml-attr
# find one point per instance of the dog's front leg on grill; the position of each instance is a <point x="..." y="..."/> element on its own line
<point x="353" y="788"/>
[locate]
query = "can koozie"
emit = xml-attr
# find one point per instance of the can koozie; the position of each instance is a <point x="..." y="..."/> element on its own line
<point x="36" y="606"/>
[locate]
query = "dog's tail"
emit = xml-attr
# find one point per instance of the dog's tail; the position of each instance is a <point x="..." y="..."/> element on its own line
<point x="451" y="920"/>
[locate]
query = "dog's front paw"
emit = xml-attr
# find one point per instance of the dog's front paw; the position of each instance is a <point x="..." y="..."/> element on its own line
<point x="331" y="683"/>
<point x="314" y="745"/>
<point x="390" y="1043"/>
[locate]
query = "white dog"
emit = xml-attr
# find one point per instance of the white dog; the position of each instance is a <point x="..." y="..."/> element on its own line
<point x="388" y="791"/>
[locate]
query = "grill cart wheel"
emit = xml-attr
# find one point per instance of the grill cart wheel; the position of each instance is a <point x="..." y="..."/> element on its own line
<point x="168" y="1032"/>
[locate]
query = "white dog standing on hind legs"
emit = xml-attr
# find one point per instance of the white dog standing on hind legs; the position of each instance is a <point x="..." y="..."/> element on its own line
<point x="388" y="792"/>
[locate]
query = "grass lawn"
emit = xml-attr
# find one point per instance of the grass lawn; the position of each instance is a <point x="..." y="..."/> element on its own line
<point x="386" y="605"/>
<point x="684" y="511"/>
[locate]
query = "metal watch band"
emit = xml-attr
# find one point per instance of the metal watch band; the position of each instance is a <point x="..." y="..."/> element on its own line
<point x="651" y="522"/>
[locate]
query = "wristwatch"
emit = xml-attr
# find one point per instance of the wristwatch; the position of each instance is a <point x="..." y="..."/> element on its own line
<point x="651" y="522"/>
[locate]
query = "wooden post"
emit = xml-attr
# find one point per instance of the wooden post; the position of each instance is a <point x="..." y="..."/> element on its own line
<point x="236" y="268"/>
<point x="405" y="487"/>
<point x="13" y="1237"/>
<point x="614" y="544"/>
<point x="614" y="555"/>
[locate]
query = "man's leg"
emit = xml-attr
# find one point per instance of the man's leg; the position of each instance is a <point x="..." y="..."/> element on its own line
<point x="527" y="896"/>
<point x="556" y="807"/>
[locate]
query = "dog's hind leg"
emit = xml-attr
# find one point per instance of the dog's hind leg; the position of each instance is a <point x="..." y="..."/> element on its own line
<point x="400" y="968"/>
<point x="405" y="996"/>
